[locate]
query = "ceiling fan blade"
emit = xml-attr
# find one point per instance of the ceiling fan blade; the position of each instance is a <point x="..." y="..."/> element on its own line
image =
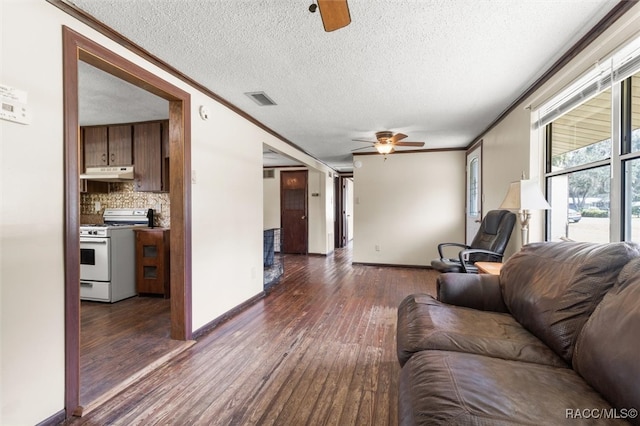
<point x="363" y="140"/>
<point x="364" y="147"/>
<point x="398" y="136"/>
<point x="409" y="144"/>
<point x="335" y="14"/>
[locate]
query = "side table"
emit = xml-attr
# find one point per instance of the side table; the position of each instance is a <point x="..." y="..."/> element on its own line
<point x="492" y="268"/>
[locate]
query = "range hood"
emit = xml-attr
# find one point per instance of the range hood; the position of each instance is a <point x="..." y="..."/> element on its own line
<point x="109" y="174"/>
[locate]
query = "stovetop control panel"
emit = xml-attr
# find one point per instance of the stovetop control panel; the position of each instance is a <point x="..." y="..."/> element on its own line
<point x="93" y="231"/>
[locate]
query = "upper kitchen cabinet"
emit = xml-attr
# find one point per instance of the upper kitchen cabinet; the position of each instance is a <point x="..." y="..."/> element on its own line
<point x="144" y="145"/>
<point x="120" y="153"/>
<point x="107" y="146"/>
<point x="96" y="146"/>
<point x="147" y="149"/>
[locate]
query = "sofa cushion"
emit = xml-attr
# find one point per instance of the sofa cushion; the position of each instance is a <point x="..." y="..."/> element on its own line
<point x="607" y="352"/>
<point x="552" y="288"/>
<point x="454" y="388"/>
<point x="426" y="323"/>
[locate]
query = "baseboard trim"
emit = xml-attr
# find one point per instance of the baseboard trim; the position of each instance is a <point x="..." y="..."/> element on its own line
<point x="54" y="419"/>
<point x="318" y="254"/>
<point x="205" y="329"/>
<point x="392" y="265"/>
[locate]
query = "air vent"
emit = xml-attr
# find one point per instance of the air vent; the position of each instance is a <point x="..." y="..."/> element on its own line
<point x="260" y="98"/>
<point x="268" y="173"/>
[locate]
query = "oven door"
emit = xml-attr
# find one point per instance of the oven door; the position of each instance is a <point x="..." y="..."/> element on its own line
<point x="94" y="259"/>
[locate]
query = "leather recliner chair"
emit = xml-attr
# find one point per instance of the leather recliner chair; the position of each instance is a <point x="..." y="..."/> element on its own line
<point x="488" y="245"/>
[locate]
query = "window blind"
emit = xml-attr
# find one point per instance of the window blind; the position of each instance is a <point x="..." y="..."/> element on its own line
<point x="621" y="65"/>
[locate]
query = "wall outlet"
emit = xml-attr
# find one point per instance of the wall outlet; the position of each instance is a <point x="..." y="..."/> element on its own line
<point x="158" y="208"/>
<point x="377" y="247"/>
<point x="97" y="206"/>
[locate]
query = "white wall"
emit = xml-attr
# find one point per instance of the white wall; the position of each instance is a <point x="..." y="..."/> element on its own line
<point x="406" y="205"/>
<point x="271" y="197"/>
<point x="505" y="156"/>
<point x="31" y="272"/>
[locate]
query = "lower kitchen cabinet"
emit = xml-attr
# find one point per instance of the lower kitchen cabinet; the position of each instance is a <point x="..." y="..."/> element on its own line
<point x="152" y="261"/>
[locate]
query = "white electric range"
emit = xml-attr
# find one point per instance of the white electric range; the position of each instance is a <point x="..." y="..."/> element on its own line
<point x="107" y="255"/>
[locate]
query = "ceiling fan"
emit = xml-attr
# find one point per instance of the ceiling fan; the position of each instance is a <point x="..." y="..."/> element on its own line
<point x="387" y="142"/>
<point x="334" y="13"/>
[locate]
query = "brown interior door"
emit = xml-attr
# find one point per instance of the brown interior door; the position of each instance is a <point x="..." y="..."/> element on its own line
<point x="293" y="208"/>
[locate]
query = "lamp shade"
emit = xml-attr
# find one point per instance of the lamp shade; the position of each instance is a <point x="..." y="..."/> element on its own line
<point x="524" y="195"/>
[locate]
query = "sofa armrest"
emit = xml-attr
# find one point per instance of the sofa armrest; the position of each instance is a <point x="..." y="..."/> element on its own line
<point x="478" y="291"/>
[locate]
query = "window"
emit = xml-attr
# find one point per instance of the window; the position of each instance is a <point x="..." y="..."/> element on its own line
<point x="592" y="140"/>
<point x="580" y="205"/>
<point x="632" y="205"/>
<point x="582" y="135"/>
<point x="634" y="85"/>
<point x="474" y="199"/>
<point x="631" y="157"/>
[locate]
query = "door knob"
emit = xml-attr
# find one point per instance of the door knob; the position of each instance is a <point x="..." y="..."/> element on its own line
<point x="303" y="217"/>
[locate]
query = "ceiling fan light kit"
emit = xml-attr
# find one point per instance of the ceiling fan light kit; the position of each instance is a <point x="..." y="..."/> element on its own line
<point x="384" y="148"/>
<point x="387" y="142"/>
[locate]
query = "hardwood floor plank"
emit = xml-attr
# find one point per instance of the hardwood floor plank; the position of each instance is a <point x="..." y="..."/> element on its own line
<point x="319" y="349"/>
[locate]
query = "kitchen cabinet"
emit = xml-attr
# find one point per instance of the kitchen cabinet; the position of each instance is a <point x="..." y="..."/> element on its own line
<point x="107" y="146"/>
<point x="143" y="145"/>
<point x="96" y="146"/>
<point x="96" y="136"/>
<point x="120" y="148"/>
<point x="147" y="149"/>
<point x="152" y="261"/>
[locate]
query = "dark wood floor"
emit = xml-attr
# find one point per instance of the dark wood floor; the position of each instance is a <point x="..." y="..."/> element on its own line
<point x="319" y="349"/>
<point x="119" y="341"/>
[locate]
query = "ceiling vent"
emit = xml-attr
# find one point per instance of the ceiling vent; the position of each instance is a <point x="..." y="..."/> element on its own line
<point x="268" y="173"/>
<point x="260" y="98"/>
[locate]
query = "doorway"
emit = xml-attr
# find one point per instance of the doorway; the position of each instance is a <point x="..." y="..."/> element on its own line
<point x="474" y="191"/>
<point x="78" y="48"/>
<point x="344" y="210"/>
<point x="294" y="211"/>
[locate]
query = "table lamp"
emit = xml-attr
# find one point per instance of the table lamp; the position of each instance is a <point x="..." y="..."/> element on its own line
<point x="524" y="196"/>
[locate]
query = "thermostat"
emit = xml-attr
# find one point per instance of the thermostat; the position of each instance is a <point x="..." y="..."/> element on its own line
<point x="14" y="105"/>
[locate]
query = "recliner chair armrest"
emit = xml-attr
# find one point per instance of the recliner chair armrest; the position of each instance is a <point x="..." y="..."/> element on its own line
<point x="481" y="291"/>
<point x="442" y="245"/>
<point x="463" y="255"/>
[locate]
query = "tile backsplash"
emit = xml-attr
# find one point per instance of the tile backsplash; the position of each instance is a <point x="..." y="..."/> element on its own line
<point x="121" y="195"/>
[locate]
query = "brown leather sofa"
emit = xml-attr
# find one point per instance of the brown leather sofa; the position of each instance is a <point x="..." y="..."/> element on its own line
<point x="555" y="339"/>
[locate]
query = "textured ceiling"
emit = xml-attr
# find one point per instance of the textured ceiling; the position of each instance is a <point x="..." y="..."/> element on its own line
<point x="440" y="71"/>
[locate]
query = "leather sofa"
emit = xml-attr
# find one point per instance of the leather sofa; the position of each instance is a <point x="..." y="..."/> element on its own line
<point x="554" y="339"/>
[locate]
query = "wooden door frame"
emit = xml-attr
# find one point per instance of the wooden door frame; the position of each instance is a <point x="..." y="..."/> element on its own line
<point x="77" y="47"/>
